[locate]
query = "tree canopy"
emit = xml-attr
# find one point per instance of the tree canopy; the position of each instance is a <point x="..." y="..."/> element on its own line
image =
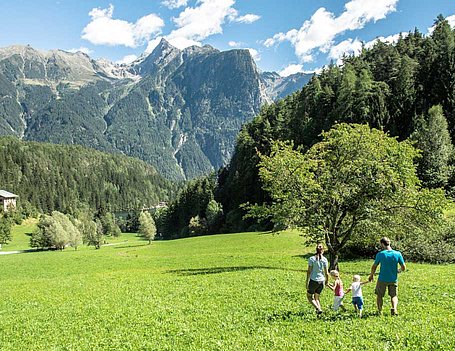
<point x="356" y="179"/>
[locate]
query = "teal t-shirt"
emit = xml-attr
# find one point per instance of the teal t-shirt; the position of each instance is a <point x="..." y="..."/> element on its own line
<point x="318" y="268"/>
<point x="389" y="259"/>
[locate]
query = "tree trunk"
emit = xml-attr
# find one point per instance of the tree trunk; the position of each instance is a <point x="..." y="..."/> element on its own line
<point x="333" y="258"/>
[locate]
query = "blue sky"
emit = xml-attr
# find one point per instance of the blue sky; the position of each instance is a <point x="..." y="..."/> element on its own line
<point x="283" y="35"/>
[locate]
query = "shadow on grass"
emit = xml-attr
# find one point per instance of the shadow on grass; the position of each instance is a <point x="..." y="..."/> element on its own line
<point x="217" y="270"/>
<point x="327" y="316"/>
<point x="286" y="315"/>
<point x="129" y="246"/>
<point x="305" y="257"/>
<point x="341" y="316"/>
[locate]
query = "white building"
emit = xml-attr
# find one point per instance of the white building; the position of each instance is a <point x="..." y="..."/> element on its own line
<point x="7" y="200"/>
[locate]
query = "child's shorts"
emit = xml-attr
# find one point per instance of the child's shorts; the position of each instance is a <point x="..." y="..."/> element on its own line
<point x="358" y="301"/>
<point x="337" y="302"/>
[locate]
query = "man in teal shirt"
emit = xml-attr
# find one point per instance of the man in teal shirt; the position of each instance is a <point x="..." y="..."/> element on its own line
<point x="389" y="260"/>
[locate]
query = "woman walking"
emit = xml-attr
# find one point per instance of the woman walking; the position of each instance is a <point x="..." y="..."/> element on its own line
<point x="317" y="276"/>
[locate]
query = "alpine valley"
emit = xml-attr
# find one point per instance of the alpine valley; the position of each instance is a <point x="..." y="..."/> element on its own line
<point x="178" y="110"/>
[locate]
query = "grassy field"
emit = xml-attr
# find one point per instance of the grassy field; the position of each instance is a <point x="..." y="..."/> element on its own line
<point x="223" y="292"/>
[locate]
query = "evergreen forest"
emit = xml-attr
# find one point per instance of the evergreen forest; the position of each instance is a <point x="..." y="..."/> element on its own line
<point x="406" y="89"/>
<point x="65" y="178"/>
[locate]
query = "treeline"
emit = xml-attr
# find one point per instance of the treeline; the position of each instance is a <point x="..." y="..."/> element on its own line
<point x="64" y="178"/>
<point x="193" y="212"/>
<point x="58" y="230"/>
<point x="406" y="88"/>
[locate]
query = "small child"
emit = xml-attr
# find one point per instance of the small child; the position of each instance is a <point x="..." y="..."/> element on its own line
<point x="357" y="297"/>
<point x="337" y="288"/>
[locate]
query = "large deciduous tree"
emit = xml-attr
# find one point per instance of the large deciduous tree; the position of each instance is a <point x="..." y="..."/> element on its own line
<point x="147" y="227"/>
<point x="55" y="231"/>
<point x="355" y="180"/>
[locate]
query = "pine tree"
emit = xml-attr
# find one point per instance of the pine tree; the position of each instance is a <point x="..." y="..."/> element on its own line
<point x="433" y="138"/>
<point x="5" y="229"/>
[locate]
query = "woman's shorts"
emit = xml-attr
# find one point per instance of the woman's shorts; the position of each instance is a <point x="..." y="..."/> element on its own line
<point x="315" y="287"/>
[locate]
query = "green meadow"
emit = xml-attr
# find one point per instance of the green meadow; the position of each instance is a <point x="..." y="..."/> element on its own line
<point x="221" y="292"/>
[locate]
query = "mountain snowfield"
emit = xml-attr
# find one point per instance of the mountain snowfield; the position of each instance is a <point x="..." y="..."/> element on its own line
<point x="179" y="110"/>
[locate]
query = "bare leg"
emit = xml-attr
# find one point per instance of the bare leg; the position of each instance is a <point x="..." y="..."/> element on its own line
<point x="360" y="313"/>
<point x="313" y="301"/>
<point x="395" y="303"/>
<point x="379" y="303"/>
<point x="316" y="298"/>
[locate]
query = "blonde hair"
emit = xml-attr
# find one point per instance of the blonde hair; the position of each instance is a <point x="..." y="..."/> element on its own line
<point x="356" y="278"/>
<point x="335" y="273"/>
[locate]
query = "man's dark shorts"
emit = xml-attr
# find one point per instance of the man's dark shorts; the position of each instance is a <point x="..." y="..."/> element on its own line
<point x="382" y="286"/>
<point x="315" y="287"/>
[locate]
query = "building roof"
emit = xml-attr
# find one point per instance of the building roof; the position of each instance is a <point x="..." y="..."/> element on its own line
<point x="4" y="193"/>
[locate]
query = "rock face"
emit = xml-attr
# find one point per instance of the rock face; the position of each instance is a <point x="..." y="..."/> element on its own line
<point x="179" y="110"/>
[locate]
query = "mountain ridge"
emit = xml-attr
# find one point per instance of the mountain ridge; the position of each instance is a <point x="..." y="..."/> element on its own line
<point x="179" y="110"/>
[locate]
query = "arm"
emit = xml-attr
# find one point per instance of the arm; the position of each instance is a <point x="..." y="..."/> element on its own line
<point x="402" y="264"/>
<point x="402" y="268"/>
<point x="373" y="270"/>
<point x="326" y="273"/>
<point x="308" y="273"/>
<point x="348" y="290"/>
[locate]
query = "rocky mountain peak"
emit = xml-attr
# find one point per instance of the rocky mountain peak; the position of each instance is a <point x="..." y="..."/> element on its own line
<point x="179" y="110"/>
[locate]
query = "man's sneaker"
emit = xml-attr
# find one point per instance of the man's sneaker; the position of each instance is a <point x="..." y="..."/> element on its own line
<point x="318" y="312"/>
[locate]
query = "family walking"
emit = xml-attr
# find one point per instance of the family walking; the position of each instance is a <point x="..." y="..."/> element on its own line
<point x="318" y="277"/>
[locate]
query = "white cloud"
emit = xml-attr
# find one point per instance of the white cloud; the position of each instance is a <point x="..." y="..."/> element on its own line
<point x="104" y="30"/>
<point x="450" y="19"/>
<point x="291" y="69"/>
<point x="182" y="42"/>
<point x="197" y="23"/>
<point x="346" y="47"/>
<point x="81" y="49"/>
<point x="316" y="70"/>
<point x="254" y="54"/>
<point x="207" y="18"/>
<point x="321" y="29"/>
<point x="390" y="39"/>
<point x="174" y="4"/>
<point x="127" y="59"/>
<point x="235" y="44"/>
<point x="248" y="18"/>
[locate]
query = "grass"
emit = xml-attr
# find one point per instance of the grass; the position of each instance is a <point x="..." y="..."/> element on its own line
<point x="21" y="236"/>
<point x="222" y="292"/>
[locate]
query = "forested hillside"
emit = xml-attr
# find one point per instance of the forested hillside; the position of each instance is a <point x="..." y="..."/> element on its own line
<point x="392" y="87"/>
<point x="178" y="110"/>
<point x="59" y="177"/>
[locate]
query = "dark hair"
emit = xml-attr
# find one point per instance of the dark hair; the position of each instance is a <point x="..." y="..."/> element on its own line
<point x="385" y="241"/>
<point x="318" y="251"/>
